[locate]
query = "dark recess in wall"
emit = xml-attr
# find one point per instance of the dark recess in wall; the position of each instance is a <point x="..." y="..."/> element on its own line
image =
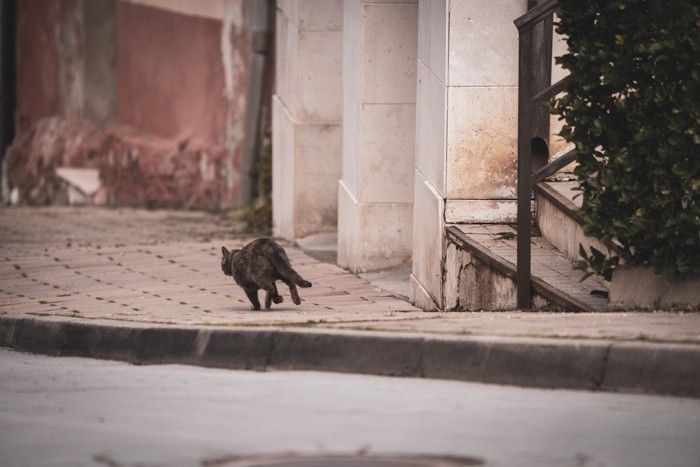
<point x="8" y="20"/>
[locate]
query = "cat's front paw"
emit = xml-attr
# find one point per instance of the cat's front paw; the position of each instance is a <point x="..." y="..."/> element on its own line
<point x="254" y="307"/>
<point x="278" y="299"/>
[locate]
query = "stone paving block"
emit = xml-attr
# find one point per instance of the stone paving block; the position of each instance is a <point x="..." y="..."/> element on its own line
<point x="455" y="359"/>
<point x="242" y="349"/>
<point x="643" y="367"/>
<point x="547" y="364"/>
<point x="392" y="355"/>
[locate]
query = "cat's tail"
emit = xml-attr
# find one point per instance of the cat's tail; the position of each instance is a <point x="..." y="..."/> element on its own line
<point x="286" y="269"/>
<point x="297" y="279"/>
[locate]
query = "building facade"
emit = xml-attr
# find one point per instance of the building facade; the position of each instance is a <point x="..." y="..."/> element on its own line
<point x="426" y="94"/>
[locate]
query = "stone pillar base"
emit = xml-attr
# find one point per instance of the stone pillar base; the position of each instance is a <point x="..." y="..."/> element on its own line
<point x="372" y="236"/>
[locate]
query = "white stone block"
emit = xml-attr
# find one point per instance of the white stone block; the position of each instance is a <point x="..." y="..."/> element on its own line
<point x="318" y="169"/>
<point x="480" y="211"/>
<point x="306" y="169"/>
<point x="432" y="36"/>
<point x="482" y="142"/>
<point x="388" y="53"/>
<point x="309" y="71"/>
<point x="351" y="137"/>
<point x="386" y="153"/>
<point x="559" y="48"/>
<point x="321" y="15"/>
<point x="286" y="61"/>
<point x="431" y="115"/>
<point x="283" y="173"/>
<point x="290" y="10"/>
<point x="637" y="287"/>
<point x="313" y="15"/>
<point x="347" y="225"/>
<point x="483" y="42"/>
<point x="372" y="236"/>
<point x="352" y="44"/>
<point x="557" y="144"/>
<point x="320" y="78"/>
<point x="420" y="297"/>
<point x="428" y="233"/>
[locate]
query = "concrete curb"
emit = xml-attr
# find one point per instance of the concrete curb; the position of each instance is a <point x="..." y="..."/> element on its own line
<point x="665" y="369"/>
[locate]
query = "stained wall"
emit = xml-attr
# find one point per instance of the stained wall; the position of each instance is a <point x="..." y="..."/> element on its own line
<point x="152" y="93"/>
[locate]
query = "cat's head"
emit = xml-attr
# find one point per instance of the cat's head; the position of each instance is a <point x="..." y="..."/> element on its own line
<point x="227" y="260"/>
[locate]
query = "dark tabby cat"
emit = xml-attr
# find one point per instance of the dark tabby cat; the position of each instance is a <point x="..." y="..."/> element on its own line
<point x="257" y="266"/>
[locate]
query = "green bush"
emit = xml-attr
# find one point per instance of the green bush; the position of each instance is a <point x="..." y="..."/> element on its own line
<point x="632" y="109"/>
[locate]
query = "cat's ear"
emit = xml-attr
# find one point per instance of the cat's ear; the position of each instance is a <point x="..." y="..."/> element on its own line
<point x="224" y="251"/>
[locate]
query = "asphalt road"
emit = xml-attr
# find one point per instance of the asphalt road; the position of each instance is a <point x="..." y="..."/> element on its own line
<point x="73" y="412"/>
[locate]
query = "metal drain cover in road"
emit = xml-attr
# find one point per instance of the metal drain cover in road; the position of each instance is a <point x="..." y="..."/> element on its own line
<point x="353" y="461"/>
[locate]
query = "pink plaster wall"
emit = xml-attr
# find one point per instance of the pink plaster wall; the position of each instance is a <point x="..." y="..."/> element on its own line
<point x="37" y="59"/>
<point x="170" y="77"/>
<point x="177" y="139"/>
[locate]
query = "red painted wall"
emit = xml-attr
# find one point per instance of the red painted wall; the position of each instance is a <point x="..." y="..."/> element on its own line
<point x="37" y="59"/>
<point x="170" y="77"/>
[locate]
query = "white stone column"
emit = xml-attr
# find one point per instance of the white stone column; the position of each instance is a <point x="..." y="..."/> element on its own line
<point x="379" y="88"/>
<point x="466" y="128"/>
<point x="307" y="117"/>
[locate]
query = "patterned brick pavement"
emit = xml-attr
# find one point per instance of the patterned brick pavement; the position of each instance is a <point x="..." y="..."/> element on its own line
<point x="157" y="267"/>
<point x="163" y="267"/>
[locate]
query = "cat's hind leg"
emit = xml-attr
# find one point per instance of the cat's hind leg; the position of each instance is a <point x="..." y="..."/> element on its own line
<point x="272" y="295"/>
<point x="253" y="297"/>
<point x="293" y="291"/>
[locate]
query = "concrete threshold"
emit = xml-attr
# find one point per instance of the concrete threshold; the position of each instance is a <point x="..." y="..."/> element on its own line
<point x="581" y="364"/>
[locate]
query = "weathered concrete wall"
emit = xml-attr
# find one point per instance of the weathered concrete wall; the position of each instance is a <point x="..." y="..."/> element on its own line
<point x="170" y="76"/>
<point x="38" y="61"/>
<point x="135" y="169"/>
<point x="99" y="74"/>
<point x="165" y="83"/>
<point x="65" y="60"/>
<point x="473" y="285"/>
<point x="635" y="287"/>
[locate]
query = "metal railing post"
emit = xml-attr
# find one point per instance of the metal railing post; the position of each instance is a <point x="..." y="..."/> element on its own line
<point x="534" y="78"/>
<point x="524" y="295"/>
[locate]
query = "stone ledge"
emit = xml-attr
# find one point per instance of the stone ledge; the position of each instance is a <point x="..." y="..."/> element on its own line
<point x="638" y="287"/>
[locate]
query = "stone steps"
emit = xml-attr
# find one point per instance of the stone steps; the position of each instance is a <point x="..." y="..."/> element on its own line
<point x="481" y="260"/>
<point x="488" y="259"/>
<point x="555" y="214"/>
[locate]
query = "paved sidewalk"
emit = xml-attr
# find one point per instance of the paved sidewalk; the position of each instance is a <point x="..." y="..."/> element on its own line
<point x="89" y="272"/>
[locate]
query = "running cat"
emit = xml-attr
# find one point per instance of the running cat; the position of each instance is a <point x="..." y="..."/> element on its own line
<point x="257" y="266"/>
